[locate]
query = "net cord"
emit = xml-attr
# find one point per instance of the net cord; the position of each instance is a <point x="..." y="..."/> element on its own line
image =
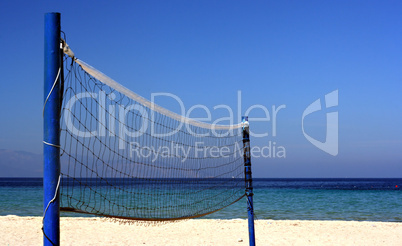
<point x="120" y="88"/>
<point x="51" y="90"/>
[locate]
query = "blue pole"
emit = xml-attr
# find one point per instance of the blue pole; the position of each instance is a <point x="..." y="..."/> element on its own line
<point x="51" y="134"/>
<point x="248" y="180"/>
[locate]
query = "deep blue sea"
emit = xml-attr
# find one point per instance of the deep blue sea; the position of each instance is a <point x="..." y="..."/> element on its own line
<point x="278" y="199"/>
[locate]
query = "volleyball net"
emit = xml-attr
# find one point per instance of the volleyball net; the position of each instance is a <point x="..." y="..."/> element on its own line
<point x="110" y="152"/>
<point x="126" y="157"/>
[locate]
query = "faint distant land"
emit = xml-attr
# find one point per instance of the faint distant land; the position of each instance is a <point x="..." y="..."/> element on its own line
<point x="20" y="164"/>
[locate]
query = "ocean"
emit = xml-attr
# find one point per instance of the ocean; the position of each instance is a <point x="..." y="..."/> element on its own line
<point x="277" y="199"/>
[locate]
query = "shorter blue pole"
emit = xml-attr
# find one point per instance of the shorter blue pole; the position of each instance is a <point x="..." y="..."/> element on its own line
<point x="248" y="180"/>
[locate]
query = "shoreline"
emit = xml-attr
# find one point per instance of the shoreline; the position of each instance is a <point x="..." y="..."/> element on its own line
<point x="100" y="231"/>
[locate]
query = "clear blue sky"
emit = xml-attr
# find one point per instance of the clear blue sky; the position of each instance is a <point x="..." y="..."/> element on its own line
<point x="276" y="52"/>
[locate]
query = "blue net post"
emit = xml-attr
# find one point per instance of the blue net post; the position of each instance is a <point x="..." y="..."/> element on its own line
<point x="51" y="130"/>
<point x="248" y="179"/>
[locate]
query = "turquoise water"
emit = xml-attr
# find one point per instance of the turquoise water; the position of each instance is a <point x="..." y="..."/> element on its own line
<point x="310" y="204"/>
<point x="279" y="199"/>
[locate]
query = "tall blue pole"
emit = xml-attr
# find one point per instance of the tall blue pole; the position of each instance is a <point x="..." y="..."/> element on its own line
<point x="248" y="180"/>
<point x="51" y="130"/>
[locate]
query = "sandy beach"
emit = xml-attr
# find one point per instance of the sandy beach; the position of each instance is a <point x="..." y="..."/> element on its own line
<point x="97" y="231"/>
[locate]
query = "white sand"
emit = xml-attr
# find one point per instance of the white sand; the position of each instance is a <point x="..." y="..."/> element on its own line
<point x="95" y="231"/>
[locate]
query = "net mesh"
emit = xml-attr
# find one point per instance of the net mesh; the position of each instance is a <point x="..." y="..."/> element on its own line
<point x="124" y="158"/>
